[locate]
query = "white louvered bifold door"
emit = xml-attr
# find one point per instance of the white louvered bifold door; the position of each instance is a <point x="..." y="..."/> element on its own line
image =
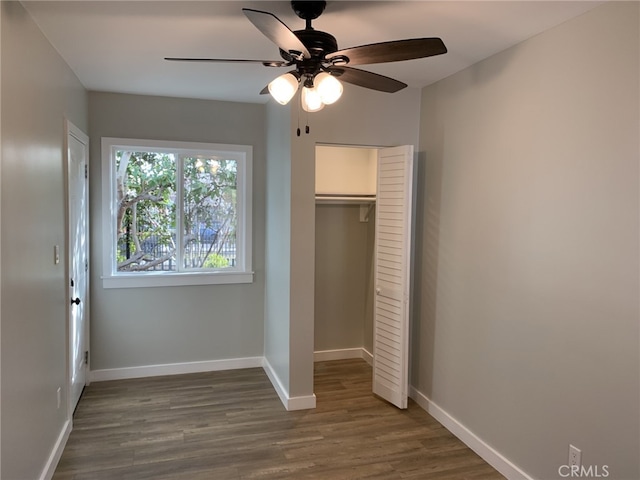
<point x="392" y="273"/>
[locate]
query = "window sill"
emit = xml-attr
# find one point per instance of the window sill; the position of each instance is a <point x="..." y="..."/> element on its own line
<point x="176" y="279"/>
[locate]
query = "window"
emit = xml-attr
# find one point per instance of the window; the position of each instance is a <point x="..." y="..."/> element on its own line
<point x="175" y="213"/>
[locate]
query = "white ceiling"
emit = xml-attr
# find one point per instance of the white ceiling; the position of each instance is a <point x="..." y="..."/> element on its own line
<point x="119" y="46"/>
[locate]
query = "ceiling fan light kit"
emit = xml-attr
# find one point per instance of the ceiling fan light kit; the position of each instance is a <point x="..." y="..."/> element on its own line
<point x="329" y="88"/>
<point x="311" y="100"/>
<point x="283" y="88"/>
<point x="318" y="63"/>
<point x="322" y="90"/>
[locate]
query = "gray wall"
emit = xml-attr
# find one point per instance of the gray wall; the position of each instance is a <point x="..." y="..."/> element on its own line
<point x="528" y="246"/>
<point x="278" y="233"/>
<point x="38" y="92"/>
<point x="343" y="278"/>
<point x="163" y="325"/>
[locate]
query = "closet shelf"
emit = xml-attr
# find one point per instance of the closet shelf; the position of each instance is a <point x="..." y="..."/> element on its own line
<point x="342" y="199"/>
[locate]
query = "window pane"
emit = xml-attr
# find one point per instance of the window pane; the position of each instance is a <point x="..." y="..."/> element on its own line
<point x="146" y="211"/>
<point x="209" y="212"/>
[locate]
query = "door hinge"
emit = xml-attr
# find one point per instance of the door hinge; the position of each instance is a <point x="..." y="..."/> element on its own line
<point x="86" y="171"/>
<point x="86" y="357"/>
<point x="86" y="266"/>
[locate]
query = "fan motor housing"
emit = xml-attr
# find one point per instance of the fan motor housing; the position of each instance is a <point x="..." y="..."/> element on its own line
<point x="318" y="43"/>
<point x="308" y="10"/>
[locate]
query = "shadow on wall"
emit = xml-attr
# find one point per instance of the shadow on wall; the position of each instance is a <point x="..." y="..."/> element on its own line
<point x="425" y="271"/>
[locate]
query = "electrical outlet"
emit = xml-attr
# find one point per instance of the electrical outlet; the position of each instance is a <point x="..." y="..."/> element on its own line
<point x="59" y="393"/>
<point x="575" y="456"/>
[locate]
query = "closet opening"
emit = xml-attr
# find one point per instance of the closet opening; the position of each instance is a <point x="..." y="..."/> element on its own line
<point x="344" y="256"/>
<point x="363" y="232"/>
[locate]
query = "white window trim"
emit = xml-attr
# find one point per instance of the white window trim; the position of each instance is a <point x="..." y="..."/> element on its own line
<point x="241" y="273"/>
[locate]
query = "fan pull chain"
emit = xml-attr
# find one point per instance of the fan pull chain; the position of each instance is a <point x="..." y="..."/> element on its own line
<point x="299" y="108"/>
<point x="306" y="128"/>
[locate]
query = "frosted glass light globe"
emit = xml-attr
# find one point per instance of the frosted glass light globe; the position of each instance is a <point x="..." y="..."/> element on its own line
<point x="283" y="88"/>
<point x="329" y="88"/>
<point x="311" y="101"/>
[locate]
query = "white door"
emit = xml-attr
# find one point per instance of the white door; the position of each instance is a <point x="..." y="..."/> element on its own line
<point x="392" y="274"/>
<point x="78" y="258"/>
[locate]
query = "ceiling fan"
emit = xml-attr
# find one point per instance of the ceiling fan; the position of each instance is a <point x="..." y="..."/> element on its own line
<point x="318" y="62"/>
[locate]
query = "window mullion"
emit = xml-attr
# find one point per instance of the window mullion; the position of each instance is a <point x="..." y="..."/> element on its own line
<point x="113" y="218"/>
<point x="179" y="211"/>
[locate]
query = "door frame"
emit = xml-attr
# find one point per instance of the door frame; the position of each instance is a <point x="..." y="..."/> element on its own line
<point x="71" y="130"/>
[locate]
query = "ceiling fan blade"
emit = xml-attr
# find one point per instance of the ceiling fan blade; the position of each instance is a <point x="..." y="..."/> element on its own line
<point x="365" y="79"/>
<point x="266" y="63"/>
<point x="394" y="51"/>
<point x="276" y="31"/>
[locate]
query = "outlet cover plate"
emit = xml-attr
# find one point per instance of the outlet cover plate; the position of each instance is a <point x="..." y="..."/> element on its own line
<point x="575" y="456"/>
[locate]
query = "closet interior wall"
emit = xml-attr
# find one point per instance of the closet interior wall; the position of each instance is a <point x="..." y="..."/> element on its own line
<point x="343" y="278"/>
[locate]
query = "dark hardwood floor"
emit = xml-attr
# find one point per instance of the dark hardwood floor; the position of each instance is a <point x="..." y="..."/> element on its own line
<point x="231" y="425"/>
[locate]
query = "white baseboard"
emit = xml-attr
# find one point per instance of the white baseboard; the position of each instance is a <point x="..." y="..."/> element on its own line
<point x="307" y="402"/>
<point x="290" y="403"/>
<point x="174" y="369"/>
<point x="56" y="452"/>
<point x="470" y="439"/>
<point x="343" y="354"/>
<point x="367" y="356"/>
<point x="275" y="382"/>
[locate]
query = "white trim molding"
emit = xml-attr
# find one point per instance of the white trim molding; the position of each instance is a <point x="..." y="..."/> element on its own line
<point x="54" y="457"/>
<point x="290" y="403"/>
<point x="174" y="369"/>
<point x="307" y="402"/>
<point x="470" y="439"/>
<point x="343" y="354"/>
<point x="367" y="356"/>
<point x="275" y="381"/>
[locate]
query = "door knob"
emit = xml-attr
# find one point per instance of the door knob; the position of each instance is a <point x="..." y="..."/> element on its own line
<point x="76" y="301"/>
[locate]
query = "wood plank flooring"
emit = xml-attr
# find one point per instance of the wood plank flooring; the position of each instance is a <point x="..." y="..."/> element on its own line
<point x="231" y="425"/>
